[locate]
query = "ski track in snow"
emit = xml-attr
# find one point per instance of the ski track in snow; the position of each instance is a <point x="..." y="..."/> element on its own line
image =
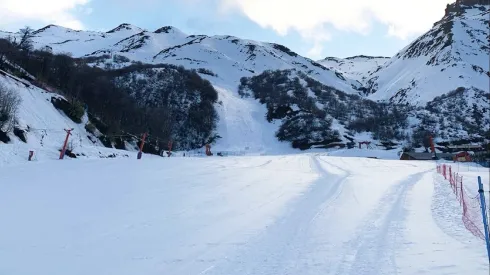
<point x="276" y="250"/>
<point x="270" y="215"/>
<point x="372" y="251"/>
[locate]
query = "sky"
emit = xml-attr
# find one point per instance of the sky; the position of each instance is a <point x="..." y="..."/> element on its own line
<point x="313" y="28"/>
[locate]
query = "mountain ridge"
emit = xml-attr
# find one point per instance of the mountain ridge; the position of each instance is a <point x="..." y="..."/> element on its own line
<point x="452" y="54"/>
<point x="230" y="55"/>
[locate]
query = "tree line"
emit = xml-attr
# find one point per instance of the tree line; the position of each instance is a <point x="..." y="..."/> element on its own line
<point x="121" y="101"/>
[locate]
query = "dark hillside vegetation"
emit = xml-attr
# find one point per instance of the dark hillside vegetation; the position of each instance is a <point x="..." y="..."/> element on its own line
<point x="307" y="109"/>
<point x="169" y="102"/>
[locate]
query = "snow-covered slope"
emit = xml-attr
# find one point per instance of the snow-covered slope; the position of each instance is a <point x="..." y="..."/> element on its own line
<point x="79" y="43"/>
<point x="355" y="67"/>
<point x="228" y="57"/>
<point x="454" y="53"/>
<point x="232" y="58"/>
<point x="243" y="127"/>
<point x="44" y="128"/>
<point x="298" y="215"/>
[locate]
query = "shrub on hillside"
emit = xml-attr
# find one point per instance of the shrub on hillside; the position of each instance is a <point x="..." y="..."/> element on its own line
<point x="21" y="134"/>
<point x="73" y="110"/>
<point x="89" y="127"/>
<point x="120" y="59"/>
<point x="77" y="111"/>
<point x="4" y="137"/>
<point x="9" y="104"/>
<point x="206" y="71"/>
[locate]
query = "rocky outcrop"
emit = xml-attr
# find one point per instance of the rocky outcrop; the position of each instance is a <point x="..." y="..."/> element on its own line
<point x="472" y="2"/>
<point x="124" y="26"/>
<point x="460" y="5"/>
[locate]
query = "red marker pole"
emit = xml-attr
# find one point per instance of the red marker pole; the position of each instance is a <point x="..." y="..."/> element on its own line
<point x="169" y="153"/>
<point x="140" y="153"/>
<point x="68" y="133"/>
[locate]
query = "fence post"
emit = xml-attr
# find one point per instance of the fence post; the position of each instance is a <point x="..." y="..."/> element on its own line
<point x="456" y="185"/>
<point x="450" y="175"/>
<point x="484" y="214"/>
<point x="461" y="199"/>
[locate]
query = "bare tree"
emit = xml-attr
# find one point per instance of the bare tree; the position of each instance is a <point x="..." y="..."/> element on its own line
<point x="9" y="104"/>
<point x="26" y="35"/>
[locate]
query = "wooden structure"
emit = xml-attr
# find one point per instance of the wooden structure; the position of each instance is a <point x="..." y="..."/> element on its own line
<point x="424" y="156"/>
<point x="462" y="157"/>
<point x="415" y="156"/>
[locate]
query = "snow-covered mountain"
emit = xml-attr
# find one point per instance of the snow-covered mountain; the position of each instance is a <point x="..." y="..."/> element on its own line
<point x="223" y="60"/>
<point x="228" y="58"/>
<point x="448" y="64"/>
<point x="355" y="67"/>
<point x="454" y="53"/>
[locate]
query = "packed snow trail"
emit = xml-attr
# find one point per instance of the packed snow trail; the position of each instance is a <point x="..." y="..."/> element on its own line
<point x="278" y="248"/>
<point x="372" y="251"/>
<point x="295" y="214"/>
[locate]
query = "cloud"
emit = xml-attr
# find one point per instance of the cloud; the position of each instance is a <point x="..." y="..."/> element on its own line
<point x="60" y="12"/>
<point x="404" y="18"/>
<point x="317" y="36"/>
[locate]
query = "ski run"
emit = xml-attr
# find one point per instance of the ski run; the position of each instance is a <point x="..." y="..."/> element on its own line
<point x="258" y="215"/>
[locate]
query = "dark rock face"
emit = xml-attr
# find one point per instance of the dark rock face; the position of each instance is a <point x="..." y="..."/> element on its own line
<point x="165" y="29"/>
<point x="123" y="26"/>
<point x="457" y="7"/>
<point x="472" y="2"/>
